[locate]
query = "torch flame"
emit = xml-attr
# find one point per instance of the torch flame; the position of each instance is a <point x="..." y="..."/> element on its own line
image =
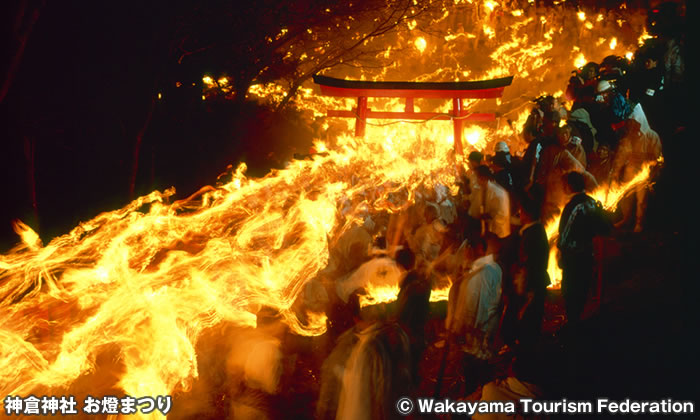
<point x="421" y="44"/>
<point x="643" y="37"/>
<point x="29" y="237"/>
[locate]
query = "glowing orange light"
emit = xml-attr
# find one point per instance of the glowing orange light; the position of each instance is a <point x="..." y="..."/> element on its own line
<point x="476" y="136"/>
<point x="489" y="31"/>
<point x="421" y="44"/>
<point x="643" y="37"/>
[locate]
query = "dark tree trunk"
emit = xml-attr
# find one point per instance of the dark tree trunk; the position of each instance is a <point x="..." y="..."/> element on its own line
<point x="137" y="149"/>
<point x="29" y="154"/>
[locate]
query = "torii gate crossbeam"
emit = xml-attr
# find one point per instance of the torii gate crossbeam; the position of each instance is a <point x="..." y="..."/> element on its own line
<point x="482" y="89"/>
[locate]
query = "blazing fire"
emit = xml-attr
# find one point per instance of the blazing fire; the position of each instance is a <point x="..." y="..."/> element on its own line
<point x="149" y="279"/>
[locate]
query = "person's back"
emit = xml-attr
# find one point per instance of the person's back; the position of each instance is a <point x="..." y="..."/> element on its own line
<point x="331" y="375"/>
<point x="413" y="309"/>
<point x="413" y="302"/>
<point x="581" y="87"/>
<point x="504" y="178"/>
<point x="582" y="219"/>
<point x="556" y="161"/>
<point x="529" y="278"/>
<point x="647" y="88"/>
<point x="549" y="159"/>
<point x="483" y="298"/>
<point x="502" y="168"/>
<point x="580" y="222"/>
<point x="614" y="109"/>
<point x="532" y="158"/>
<point x="524" y="380"/>
<point x="428" y="240"/>
<point x="533" y="253"/>
<point x="349" y="250"/>
<point x="497" y="205"/>
<point x="476" y="312"/>
<point x="583" y="131"/>
<point x="376" y="373"/>
<point x="495" y="211"/>
<point x="533" y="125"/>
<point x="576" y="149"/>
<point x="639" y="145"/>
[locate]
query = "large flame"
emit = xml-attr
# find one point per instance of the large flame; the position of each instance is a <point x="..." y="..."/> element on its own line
<point x="151" y="277"/>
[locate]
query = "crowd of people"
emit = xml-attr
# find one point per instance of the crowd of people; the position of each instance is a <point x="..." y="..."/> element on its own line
<point x="489" y="244"/>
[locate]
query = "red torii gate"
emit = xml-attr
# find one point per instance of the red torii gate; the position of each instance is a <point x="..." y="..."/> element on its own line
<point x="482" y="89"/>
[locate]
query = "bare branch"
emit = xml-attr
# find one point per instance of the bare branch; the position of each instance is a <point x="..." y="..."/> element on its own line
<point x="188" y="53"/>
